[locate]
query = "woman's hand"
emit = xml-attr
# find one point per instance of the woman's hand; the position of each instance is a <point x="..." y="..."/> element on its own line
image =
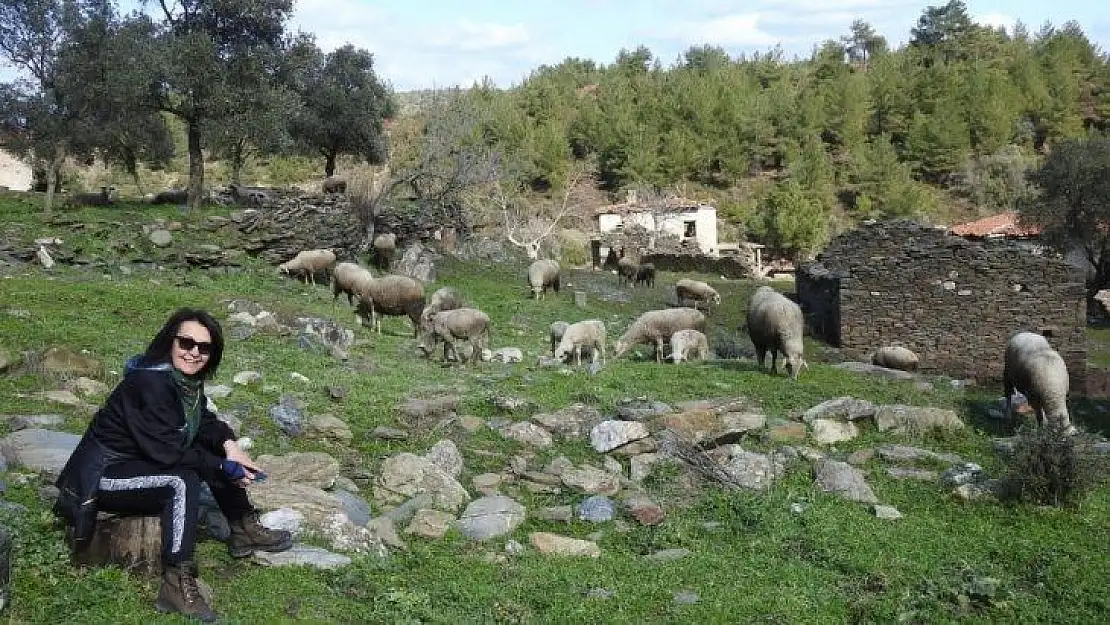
<point x="232" y="451"/>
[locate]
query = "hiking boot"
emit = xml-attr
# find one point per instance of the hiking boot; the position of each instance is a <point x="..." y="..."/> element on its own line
<point x="249" y="535"/>
<point x="181" y="593"/>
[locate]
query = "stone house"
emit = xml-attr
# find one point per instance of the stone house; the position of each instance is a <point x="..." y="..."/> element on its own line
<point x="686" y="220"/>
<point x="952" y="300"/>
<point x="1007" y="226"/>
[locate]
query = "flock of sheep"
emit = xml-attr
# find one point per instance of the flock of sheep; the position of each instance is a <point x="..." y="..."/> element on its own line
<point x="774" y="323"/>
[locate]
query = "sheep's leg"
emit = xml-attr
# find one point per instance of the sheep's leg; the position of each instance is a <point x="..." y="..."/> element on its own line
<point x="1008" y="387"/>
<point x="775" y="361"/>
<point x="600" y="348"/>
<point x="578" y="355"/>
<point x="659" y="350"/>
<point x="761" y="356"/>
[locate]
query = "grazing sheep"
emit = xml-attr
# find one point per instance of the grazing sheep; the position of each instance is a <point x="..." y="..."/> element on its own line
<point x="171" y="196"/>
<point x="645" y="273"/>
<point x="104" y="198"/>
<point x="334" y="185"/>
<point x="307" y="263"/>
<point x="589" y="334"/>
<point x="655" y="327"/>
<point x="689" y="345"/>
<point x="895" y="357"/>
<point x="775" y="324"/>
<point x="392" y="296"/>
<point x="627" y="269"/>
<point x="697" y="292"/>
<point x="558" y="329"/>
<point x="445" y="298"/>
<point x="385" y="246"/>
<point x="351" y="279"/>
<point x="543" y="274"/>
<point x="448" y="326"/>
<point x="1036" y="370"/>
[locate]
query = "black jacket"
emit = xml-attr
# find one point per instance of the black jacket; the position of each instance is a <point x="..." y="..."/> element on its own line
<point x="142" y="419"/>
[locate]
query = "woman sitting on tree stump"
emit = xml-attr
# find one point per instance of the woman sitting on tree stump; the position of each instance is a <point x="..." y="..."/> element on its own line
<point x="150" y="446"/>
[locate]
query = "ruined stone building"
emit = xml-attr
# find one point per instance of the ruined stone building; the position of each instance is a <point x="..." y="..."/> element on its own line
<point x="953" y="301"/>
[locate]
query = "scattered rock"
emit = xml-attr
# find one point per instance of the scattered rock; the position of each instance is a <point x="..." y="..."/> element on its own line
<point x="923" y="475"/>
<point x="641" y="409"/>
<point x="573" y="421"/>
<point x="554" y="544"/>
<point x="887" y="513"/>
<point x="405" y="475"/>
<point x="432" y="407"/>
<point x="829" y="432"/>
<point x="486" y="483"/>
<point x="749" y="469"/>
<point x="388" y="434"/>
<point x="592" y="480"/>
<point x="217" y="391"/>
<point x="329" y="426"/>
<point x="288" y="414"/>
<point x="490" y="517"/>
<point x="445" y="455"/>
<point x="44" y="421"/>
<point x="507" y="355"/>
<point x="644" y="510"/>
<point x="558" y="514"/>
<point x="596" y="509"/>
<point x="840" y="409"/>
<point x="430" y="523"/>
<point x="303" y="555"/>
<point x="609" y="435"/>
<point x="961" y="474"/>
<point x="527" y="433"/>
<point x="245" y="378"/>
<point x="901" y="419"/>
<point x="843" y="479"/>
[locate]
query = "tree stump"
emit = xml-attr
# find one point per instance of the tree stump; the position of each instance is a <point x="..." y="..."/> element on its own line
<point x="130" y="541"/>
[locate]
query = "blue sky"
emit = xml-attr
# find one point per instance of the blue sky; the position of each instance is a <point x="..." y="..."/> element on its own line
<point x="438" y="43"/>
<point x="426" y="43"/>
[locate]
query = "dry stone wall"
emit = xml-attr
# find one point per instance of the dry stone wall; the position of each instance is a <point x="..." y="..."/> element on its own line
<point x="953" y="301"/>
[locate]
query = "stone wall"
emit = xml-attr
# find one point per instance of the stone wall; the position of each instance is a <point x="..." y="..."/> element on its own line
<point x="953" y="301"/>
<point x="733" y="267"/>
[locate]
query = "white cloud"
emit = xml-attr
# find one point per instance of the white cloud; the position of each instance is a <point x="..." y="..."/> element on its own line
<point x="738" y="29"/>
<point x="471" y="36"/>
<point x="996" y="20"/>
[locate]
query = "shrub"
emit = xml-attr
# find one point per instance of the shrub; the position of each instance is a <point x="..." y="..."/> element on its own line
<point x="1051" y="468"/>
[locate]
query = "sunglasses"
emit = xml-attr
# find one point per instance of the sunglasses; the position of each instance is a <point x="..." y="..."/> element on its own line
<point x="187" y="344"/>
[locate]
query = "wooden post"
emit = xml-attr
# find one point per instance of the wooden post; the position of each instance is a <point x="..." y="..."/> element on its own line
<point x="5" y="568"/>
<point x="132" y="542"/>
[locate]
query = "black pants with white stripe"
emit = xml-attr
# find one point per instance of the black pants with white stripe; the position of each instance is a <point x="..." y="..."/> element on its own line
<point x="138" y="487"/>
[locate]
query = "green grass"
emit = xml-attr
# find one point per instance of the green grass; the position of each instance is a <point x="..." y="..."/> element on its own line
<point x="834" y="562"/>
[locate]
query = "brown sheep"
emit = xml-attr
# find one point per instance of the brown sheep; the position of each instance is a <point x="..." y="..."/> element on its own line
<point x="393" y="296"/>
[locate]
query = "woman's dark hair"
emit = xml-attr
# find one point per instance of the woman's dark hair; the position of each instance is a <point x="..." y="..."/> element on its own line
<point x="161" y="346"/>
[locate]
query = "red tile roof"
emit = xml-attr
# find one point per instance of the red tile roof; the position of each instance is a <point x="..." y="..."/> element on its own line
<point x="1000" y="225"/>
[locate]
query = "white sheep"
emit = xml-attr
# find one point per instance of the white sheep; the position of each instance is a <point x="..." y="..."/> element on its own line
<point x="655" y="327"/>
<point x="448" y="326"/>
<point x="1037" y="371"/>
<point x="689" y="345"/>
<point x="308" y="263"/>
<point x="385" y="246"/>
<point x="542" y="274"/>
<point x="557" y="329"/>
<point x="895" y="357"/>
<point x="589" y="334"/>
<point x="697" y="292"/>
<point x="395" y="296"/>
<point x="349" y="278"/>
<point x="445" y="298"/>
<point x="775" y="324"/>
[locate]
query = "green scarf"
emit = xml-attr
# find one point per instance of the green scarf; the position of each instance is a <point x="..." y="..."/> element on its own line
<point x="191" y="395"/>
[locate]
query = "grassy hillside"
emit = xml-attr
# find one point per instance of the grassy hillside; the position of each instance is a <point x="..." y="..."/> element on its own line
<point x="751" y="557"/>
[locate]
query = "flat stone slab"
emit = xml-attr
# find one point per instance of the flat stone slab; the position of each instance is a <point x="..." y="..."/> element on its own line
<point x="303" y="555"/>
